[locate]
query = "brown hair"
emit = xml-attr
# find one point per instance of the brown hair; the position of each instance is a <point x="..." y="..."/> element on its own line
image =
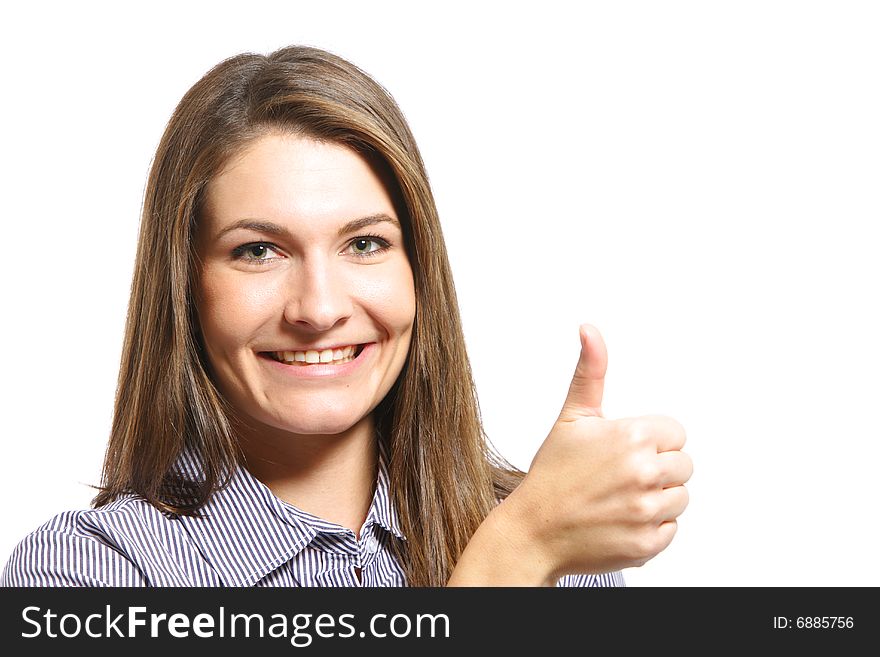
<point x="445" y="478"/>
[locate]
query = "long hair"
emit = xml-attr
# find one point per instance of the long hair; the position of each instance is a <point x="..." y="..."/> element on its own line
<point x="445" y="477"/>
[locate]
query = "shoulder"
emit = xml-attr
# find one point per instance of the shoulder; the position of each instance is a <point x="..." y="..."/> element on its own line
<point x="124" y="543"/>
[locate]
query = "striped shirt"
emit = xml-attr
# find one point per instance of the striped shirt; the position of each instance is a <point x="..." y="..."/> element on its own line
<point x="244" y="536"/>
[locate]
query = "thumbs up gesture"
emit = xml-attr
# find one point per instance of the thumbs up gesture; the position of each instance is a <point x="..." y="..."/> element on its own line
<point x="601" y="494"/>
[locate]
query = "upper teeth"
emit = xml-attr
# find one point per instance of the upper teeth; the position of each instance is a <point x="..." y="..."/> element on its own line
<point x="314" y="356"/>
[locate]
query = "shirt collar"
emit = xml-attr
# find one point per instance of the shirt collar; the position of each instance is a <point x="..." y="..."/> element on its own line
<point x="382" y="510"/>
<point x="246" y="532"/>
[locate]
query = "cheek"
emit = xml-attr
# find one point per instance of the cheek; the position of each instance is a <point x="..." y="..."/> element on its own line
<point x="390" y="297"/>
<point x="230" y="307"/>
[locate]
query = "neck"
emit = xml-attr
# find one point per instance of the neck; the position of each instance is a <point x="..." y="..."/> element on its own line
<point x="329" y="476"/>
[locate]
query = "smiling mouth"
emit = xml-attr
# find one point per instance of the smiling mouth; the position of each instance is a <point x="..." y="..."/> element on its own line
<point x="336" y="356"/>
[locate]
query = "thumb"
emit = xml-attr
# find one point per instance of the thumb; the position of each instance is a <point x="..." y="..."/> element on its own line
<point x="587" y="384"/>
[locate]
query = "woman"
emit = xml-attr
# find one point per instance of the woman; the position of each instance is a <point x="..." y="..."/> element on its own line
<point x="295" y="404"/>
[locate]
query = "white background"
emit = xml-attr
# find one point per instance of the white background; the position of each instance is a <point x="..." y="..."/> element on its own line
<point x="697" y="179"/>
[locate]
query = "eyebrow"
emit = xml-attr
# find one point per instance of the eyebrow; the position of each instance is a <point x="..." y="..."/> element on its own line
<point x="271" y="228"/>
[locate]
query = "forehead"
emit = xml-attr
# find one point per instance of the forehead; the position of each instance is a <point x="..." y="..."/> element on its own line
<point x="293" y="179"/>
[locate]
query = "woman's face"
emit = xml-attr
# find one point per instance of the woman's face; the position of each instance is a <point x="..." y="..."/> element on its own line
<point x="305" y="299"/>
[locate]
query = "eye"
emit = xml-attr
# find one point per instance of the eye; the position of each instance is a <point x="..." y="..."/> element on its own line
<point x="255" y="252"/>
<point x="368" y="245"/>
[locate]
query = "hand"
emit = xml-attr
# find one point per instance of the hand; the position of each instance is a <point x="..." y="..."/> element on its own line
<point x="600" y="494"/>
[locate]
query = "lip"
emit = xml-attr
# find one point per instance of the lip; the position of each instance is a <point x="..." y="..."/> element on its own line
<point x="319" y="370"/>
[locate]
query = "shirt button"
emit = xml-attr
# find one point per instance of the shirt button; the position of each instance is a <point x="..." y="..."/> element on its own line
<point x="372" y="544"/>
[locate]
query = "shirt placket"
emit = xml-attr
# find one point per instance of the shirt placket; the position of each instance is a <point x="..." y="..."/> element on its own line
<point x="368" y="548"/>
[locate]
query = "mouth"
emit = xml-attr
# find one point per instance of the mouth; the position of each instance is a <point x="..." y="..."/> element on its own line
<point x="334" y="356"/>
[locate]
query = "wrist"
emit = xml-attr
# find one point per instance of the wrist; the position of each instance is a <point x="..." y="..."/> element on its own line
<point x="505" y="551"/>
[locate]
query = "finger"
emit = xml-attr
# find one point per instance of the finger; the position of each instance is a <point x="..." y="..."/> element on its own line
<point x="673" y="502"/>
<point x="668" y="433"/>
<point x="588" y="383"/>
<point x="665" y="534"/>
<point x="675" y="468"/>
<point x="655" y="539"/>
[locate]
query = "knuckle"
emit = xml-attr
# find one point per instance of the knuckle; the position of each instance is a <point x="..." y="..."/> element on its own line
<point x="647" y="475"/>
<point x="644" y="547"/>
<point x="645" y="509"/>
<point x="640" y="431"/>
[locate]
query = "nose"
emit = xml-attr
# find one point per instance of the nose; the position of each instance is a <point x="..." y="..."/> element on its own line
<point x="319" y="297"/>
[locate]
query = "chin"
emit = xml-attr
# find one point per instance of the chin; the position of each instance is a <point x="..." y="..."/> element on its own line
<point x="332" y="425"/>
<point x="319" y="429"/>
<point x="308" y="412"/>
